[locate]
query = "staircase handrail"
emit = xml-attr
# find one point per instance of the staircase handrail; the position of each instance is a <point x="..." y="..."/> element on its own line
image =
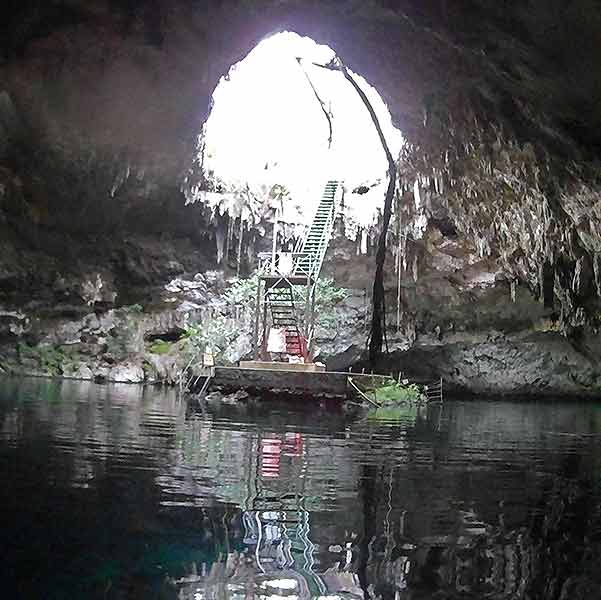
<point x="316" y="258"/>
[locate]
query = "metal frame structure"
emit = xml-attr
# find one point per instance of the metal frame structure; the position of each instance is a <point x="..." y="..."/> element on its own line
<point x="280" y="296"/>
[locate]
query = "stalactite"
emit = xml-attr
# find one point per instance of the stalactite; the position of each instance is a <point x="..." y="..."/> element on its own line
<point x="240" y="238"/>
<point x="597" y="272"/>
<point x="364" y="244"/>
<point x="219" y="242"/>
<point x="512" y="288"/>
<point x="230" y="232"/>
<point x="416" y="195"/>
<point x="576" y="279"/>
<point x="250" y="248"/>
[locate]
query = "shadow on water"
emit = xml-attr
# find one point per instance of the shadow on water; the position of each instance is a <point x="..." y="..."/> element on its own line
<point x="124" y="492"/>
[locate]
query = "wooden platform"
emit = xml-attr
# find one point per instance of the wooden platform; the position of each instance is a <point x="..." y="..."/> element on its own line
<point x="280" y="281"/>
<point x="288" y="379"/>
<point x="282" y="366"/>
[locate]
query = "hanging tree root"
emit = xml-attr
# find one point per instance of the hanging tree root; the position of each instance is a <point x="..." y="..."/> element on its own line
<point x="378" y="321"/>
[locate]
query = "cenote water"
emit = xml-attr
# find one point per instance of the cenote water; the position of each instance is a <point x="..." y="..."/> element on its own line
<point x="125" y="492"/>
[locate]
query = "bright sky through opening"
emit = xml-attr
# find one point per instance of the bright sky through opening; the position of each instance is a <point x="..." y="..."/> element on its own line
<point x="266" y="125"/>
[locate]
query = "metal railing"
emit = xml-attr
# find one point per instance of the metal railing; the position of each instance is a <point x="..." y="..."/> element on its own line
<point x="309" y="264"/>
<point x="433" y="391"/>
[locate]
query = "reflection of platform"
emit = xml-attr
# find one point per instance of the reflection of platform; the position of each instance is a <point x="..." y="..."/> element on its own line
<point x="288" y="378"/>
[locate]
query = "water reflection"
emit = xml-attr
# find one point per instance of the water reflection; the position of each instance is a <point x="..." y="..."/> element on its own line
<point x="124" y="492"/>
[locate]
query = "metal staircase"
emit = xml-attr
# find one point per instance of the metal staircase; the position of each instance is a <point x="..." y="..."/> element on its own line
<point x="315" y="244"/>
<point x="279" y="300"/>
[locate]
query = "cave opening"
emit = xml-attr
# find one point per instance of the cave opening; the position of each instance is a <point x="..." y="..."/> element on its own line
<point x="280" y="126"/>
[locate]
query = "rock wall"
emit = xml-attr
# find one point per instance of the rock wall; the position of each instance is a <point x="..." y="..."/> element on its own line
<point x="101" y="104"/>
<point x="462" y="317"/>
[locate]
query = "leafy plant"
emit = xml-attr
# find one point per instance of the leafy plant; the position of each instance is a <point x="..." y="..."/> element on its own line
<point x="222" y="330"/>
<point x="49" y="358"/>
<point x="160" y="347"/>
<point x="327" y="296"/>
<point x="243" y="292"/>
<point x="396" y="393"/>
<point x="216" y="333"/>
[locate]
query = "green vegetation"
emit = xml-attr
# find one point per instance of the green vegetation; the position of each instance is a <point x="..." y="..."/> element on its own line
<point x="133" y="308"/>
<point x="243" y="292"/>
<point x="216" y="333"/>
<point x="160" y="347"/>
<point x="387" y="393"/>
<point x="222" y="330"/>
<point x="397" y="393"/>
<point x="392" y="401"/>
<point x="49" y="358"/>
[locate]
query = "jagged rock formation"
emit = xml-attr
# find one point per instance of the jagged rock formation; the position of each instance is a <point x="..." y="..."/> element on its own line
<point x="101" y="104"/>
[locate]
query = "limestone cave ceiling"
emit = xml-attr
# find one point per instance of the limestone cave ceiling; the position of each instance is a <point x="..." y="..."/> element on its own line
<point x="499" y="99"/>
<point x="529" y="65"/>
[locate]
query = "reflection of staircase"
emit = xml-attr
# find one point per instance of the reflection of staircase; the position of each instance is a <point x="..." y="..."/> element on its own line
<point x="309" y="255"/>
<point x="316" y="242"/>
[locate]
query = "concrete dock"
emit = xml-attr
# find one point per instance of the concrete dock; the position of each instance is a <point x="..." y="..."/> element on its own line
<point x="290" y="379"/>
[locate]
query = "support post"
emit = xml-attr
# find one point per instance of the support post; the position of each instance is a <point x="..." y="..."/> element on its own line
<point x="307" y="306"/>
<point x="264" y="342"/>
<point x="312" y="324"/>
<point x="274" y="242"/>
<point x="257" y="319"/>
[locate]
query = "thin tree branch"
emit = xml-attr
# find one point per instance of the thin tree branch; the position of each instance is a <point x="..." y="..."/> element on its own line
<point x="325" y="111"/>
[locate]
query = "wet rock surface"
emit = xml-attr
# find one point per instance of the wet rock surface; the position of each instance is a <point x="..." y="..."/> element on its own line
<point x="462" y="319"/>
<point x="100" y="109"/>
<point x="130" y="344"/>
